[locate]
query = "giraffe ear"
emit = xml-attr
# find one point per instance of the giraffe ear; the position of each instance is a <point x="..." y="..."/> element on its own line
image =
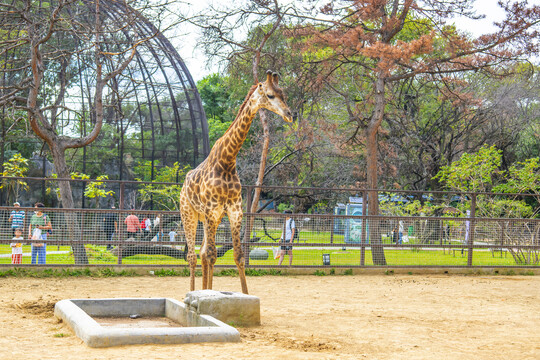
<point x="275" y="76"/>
<point x="269" y="76"/>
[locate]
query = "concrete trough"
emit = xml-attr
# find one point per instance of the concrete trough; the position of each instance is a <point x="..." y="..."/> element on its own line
<point x="193" y="328"/>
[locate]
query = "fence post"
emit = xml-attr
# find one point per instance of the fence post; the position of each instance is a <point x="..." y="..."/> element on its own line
<point x="471" y="230"/>
<point x="364" y="230"/>
<point x="248" y="227"/>
<point x="332" y="221"/>
<point x="121" y="197"/>
<point x="120" y="234"/>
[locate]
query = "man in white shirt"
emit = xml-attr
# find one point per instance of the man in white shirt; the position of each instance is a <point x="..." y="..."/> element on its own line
<point x="287" y="237"/>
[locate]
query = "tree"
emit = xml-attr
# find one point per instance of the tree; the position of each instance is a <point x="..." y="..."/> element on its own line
<point x="166" y="196"/>
<point x="388" y="41"/>
<point x="481" y="172"/>
<point x="427" y="128"/>
<point x="51" y="48"/>
<point x="219" y="103"/>
<point x="17" y="166"/>
<point x="264" y="18"/>
<point x="217" y="98"/>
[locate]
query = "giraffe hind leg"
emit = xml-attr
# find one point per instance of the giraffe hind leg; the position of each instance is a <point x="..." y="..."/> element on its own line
<point x="235" y="218"/>
<point x="189" y="222"/>
<point x="209" y="253"/>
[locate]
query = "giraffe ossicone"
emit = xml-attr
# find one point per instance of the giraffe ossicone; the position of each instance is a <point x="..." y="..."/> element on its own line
<point x="213" y="188"/>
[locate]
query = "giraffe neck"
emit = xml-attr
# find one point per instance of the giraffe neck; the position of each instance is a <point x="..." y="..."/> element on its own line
<point x="231" y="142"/>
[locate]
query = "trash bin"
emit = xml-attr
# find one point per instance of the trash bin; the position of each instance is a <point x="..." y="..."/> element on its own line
<point x="326" y="259"/>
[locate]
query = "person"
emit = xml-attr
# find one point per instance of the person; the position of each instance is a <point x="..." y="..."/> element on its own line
<point x="446" y="233"/>
<point x="133" y="225"/>
<point x="395" y="234"/>
<point x="110" y="226"/>
<point x="157" y="227"/>
<point x="37" y="230"/>
<point x="147" y="224"/>
<point x="172" y="235"/>
<point x="287" y="236"/>
<point x="400" y="232"/>
<point x="16" y="246"/>
<point x="146" y="227"/>
<point x="17" y="218"/>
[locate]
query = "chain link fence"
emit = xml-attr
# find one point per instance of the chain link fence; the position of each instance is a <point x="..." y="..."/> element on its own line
<point x="413" y="230"/>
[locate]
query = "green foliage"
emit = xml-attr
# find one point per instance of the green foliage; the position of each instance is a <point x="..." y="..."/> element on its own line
<point x="17" y="166"/>
<point x="63" y="273"/>
<point x="262" y="272"/>
<point x="227" y="272"/>
<point x="283" y="206"/>
<point x="216" y="97"/>
<point x="171" y="272"/>
<point x="502" y="208"/>
<point x="95" y="190"/>
<point x="166" y="196"/>
<point x="478" y="173"/>
<point x="99" y="254"/>
<point x="472" y="172"/>
<point x="216" y="129"/>
<point x="522" y="177"/>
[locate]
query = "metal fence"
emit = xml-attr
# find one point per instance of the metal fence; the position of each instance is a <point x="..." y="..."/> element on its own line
<point x="414" y="228"/>
<point x="83" y="237"/>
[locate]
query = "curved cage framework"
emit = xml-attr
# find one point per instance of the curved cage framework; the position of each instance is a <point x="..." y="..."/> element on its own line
<point x="153" y="115"/>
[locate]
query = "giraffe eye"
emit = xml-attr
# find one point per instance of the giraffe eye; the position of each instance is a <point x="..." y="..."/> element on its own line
<point x="271" y="96"/>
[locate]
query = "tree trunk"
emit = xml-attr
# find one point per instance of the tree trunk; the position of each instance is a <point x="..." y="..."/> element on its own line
<point x="375" y="237"/>
<point x="66" y="196"/>
<point x="260" y="177"/>
<point x="262" y="164"/>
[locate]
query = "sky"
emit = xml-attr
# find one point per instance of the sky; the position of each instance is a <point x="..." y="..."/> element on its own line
<point x="196" y="61"/>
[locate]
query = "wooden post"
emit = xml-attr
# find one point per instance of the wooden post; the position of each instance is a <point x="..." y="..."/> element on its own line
<point x="363" y="238"/>
<point x="470" y="242"/>
<point x="332" y="222"/>
<point x="249" y="225"/>
<point x="120" y="234"/>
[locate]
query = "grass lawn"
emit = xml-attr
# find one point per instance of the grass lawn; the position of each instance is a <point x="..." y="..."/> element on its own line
<point x="301" y="256"/>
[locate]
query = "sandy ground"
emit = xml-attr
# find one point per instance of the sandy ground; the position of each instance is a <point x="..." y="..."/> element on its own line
<point x="303" y="317"/>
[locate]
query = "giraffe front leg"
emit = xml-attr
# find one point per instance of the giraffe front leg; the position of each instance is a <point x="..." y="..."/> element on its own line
<point x="235" y="219"/>
<point x="209" y="253"/>
<point x="192" y="260"/>
<point x="204" y="265"/>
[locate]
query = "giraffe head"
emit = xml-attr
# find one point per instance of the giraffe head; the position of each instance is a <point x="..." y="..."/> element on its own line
<point x="270" y="96"/>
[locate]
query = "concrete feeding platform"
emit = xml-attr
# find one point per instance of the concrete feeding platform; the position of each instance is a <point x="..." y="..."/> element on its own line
<point x="232" y="308"/>
<point x="193" y="327"/>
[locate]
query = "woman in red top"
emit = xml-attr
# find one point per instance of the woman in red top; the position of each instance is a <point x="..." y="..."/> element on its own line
<point x="133" y="225"/>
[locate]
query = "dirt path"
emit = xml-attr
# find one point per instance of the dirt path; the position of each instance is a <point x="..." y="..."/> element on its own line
<point x="303" y="317"/>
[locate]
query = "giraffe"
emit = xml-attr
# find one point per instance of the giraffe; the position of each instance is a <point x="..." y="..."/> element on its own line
<point x="213" y="189"/>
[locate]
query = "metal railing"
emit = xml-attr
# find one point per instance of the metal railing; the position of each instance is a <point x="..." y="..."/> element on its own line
<point x="445" y="236"/>
<point x="324" y="240"/>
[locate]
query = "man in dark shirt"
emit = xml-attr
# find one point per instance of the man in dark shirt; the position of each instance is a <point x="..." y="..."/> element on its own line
<point x="110" y="226"/>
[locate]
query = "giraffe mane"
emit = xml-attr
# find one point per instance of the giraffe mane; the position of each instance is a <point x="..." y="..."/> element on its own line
<point x="251" y="91"/>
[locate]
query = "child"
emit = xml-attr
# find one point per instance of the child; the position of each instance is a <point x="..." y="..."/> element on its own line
<point x="16" y="247"/>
